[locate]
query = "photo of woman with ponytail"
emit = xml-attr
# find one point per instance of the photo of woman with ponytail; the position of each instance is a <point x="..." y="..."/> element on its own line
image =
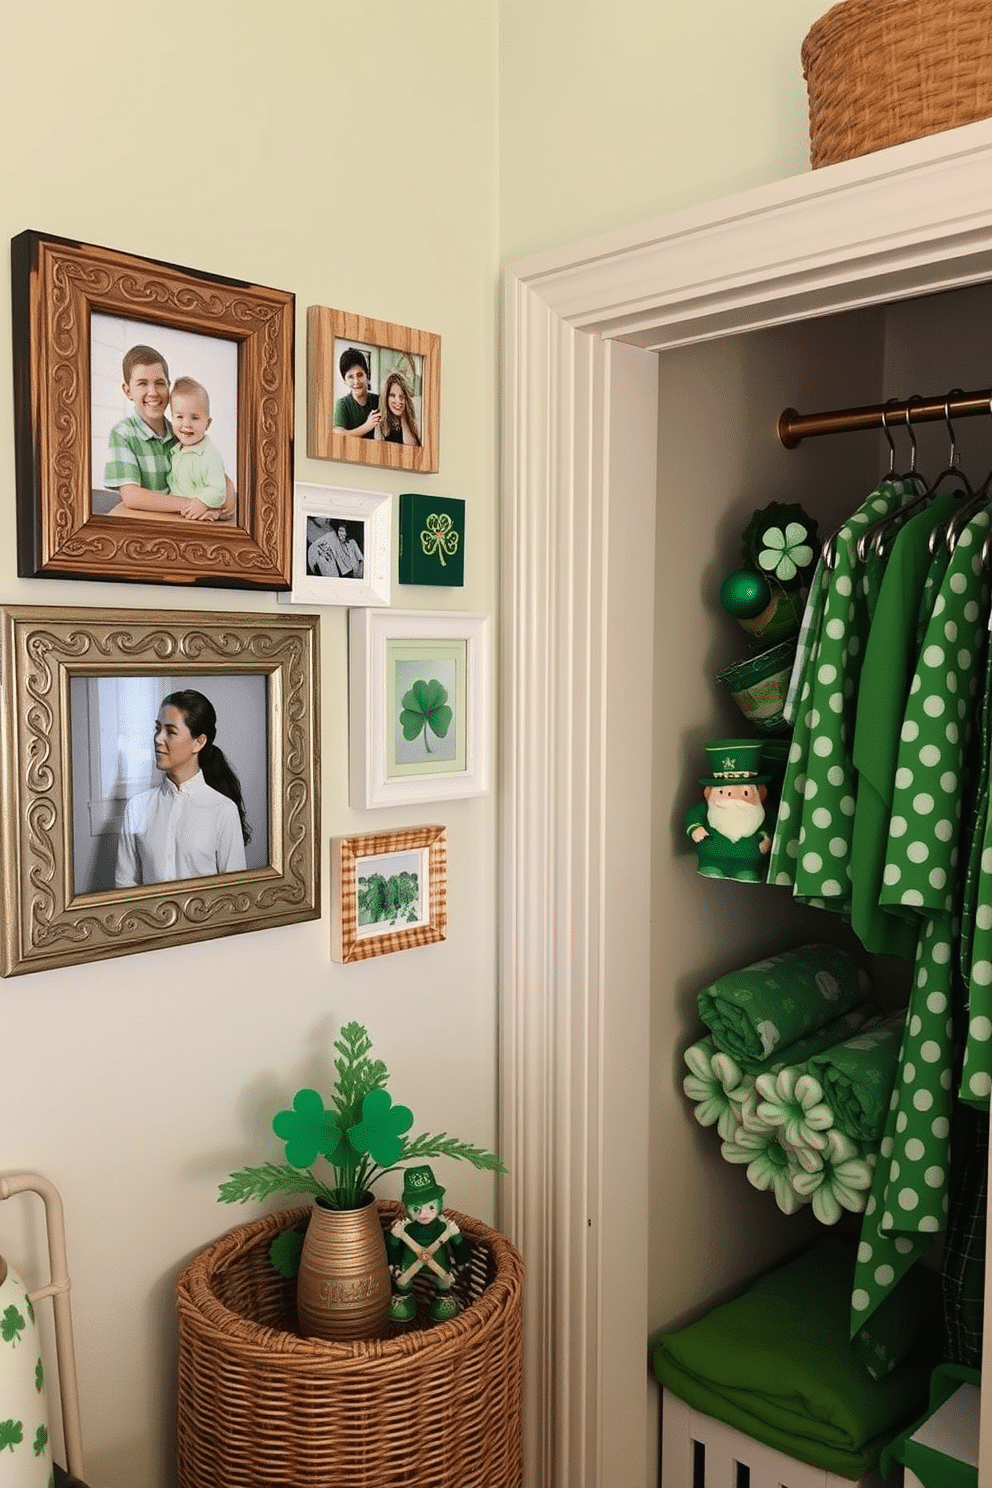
<point x="193" y="823"/>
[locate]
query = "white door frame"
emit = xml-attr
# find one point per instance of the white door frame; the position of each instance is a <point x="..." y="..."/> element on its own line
<point x="579" y="467"/>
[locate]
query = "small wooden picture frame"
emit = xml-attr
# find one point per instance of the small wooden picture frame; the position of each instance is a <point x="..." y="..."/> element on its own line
<point x="373" y="391"/>
<point x="388" y="892"/>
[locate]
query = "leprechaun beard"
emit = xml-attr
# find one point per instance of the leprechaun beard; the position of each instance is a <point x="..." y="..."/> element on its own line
<point x="735" y="819"/>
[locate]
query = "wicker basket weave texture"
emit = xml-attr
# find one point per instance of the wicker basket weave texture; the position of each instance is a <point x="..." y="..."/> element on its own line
<point x="434" y="1406"/>
<point x="880" y="72"/>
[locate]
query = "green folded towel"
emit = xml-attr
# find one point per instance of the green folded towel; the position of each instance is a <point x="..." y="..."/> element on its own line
<point x="857" y="1078"/>
<point x="776" y="1364"/>
<point x="756" y="1012"/>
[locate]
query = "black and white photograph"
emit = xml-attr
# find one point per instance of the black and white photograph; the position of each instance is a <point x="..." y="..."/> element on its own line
<point x="335" y="550"/>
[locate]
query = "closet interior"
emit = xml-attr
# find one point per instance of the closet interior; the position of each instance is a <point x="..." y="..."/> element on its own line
<point x="720" y="458"/>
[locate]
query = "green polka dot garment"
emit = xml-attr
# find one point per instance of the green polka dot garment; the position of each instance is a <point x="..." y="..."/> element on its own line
<point x="908" y="1203"/>
<point x="976" y="1077"/>
<point x="922" y="867"/>
<point x="890" y="660"/>
<point x="811" y="847"/>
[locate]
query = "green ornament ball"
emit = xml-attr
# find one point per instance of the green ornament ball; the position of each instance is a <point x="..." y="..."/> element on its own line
<point x="744" y="594"/>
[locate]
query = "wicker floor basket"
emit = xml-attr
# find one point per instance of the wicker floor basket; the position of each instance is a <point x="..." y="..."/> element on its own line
<point x="260" y="1407"/>
<point x="880" y="72"/>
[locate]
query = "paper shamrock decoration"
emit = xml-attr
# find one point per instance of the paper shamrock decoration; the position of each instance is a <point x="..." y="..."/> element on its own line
<point x="780" y="542"/>
<point x="361" y="1136"/>
<point x="778" y="550"/>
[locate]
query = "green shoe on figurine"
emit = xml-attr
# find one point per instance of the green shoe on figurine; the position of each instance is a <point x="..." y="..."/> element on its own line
<point x="403" y="1308"/>
<point x="444" y="1307"/>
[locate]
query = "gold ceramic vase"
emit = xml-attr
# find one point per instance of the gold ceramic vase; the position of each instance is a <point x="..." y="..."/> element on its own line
<point x="343" y="1288"/>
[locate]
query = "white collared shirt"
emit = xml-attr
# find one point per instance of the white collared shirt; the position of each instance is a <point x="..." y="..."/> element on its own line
<point x="178" y="831"/>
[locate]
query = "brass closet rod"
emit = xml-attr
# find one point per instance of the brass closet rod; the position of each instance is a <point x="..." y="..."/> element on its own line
<point x="794" y="427"/>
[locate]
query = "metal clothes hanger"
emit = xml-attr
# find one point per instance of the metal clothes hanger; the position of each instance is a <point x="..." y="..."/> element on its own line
<point x="950" y="531"/>
<point x="829" y="550"/>
<point x="873" y="536"/>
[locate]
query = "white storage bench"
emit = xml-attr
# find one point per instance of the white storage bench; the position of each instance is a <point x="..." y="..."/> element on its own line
<point x="698" y="1451"/>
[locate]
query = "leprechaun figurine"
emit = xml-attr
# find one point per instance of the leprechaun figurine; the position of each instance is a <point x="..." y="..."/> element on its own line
<point x="727" y="826"/>
<point x="425" y="1240"/>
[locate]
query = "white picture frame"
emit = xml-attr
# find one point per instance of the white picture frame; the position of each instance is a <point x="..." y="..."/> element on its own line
<point x="367" y="517"/>
<point x="410" y="669"/>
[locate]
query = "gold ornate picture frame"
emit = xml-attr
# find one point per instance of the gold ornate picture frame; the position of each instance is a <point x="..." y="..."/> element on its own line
<point x="392" y="356"/>
<point x="81" y="688"/>
<point x="388" y="892"/>
<point x="77" y="309"/>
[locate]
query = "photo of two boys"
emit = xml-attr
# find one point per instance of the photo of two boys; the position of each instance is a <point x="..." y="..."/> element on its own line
<point x="158" y="460"/>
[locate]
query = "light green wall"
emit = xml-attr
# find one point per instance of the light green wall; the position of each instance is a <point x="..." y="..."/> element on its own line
<point x="380" y="159"/>
<point x="347" y="154"/>
<point x="612" y="114"/>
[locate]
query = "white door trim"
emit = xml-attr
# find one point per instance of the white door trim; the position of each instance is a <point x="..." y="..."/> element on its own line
<point x="579" y="468"/>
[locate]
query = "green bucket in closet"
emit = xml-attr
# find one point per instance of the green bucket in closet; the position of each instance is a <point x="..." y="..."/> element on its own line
<point x="759" y="686"/>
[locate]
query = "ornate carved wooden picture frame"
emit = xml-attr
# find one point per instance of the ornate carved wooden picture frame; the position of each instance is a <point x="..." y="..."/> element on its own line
<point x="81" y="692"/>
<point x="78" y="311"/>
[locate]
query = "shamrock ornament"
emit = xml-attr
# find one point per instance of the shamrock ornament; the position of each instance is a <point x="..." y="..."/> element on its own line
<point x="779" y="543"/>
<point x="439" y="537"/>
<point x="425" y="707"/>
<point x="785" y="553"/>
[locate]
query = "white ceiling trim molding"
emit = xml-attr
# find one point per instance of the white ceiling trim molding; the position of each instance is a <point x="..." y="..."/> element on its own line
<point x="579" y="457"/>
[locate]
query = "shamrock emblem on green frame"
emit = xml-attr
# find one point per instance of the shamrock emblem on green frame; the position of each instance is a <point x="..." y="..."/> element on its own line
<point x="439" y="537"/>
<point x="432" y="539"/>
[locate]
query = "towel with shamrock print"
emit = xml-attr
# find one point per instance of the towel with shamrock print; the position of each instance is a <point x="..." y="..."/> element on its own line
<point x="811" y="845"/>
<point x="889" y="662"/>
<point x="908" y="1205"/>
<point x="759" y="1010"/>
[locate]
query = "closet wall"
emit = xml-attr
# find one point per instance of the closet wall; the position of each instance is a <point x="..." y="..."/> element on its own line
<point x="719" y="459"/>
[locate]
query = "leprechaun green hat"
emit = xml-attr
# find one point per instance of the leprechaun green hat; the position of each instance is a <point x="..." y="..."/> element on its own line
<point x="734" y="762"/>
<point x="420" y="1187"/>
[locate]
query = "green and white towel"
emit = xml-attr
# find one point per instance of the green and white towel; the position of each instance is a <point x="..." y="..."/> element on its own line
<point x="756" y="1013"/>
<point x="857" y="1078"/>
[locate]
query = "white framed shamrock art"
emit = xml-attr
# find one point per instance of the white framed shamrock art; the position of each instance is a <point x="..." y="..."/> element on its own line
<point x="420" y="706"/>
